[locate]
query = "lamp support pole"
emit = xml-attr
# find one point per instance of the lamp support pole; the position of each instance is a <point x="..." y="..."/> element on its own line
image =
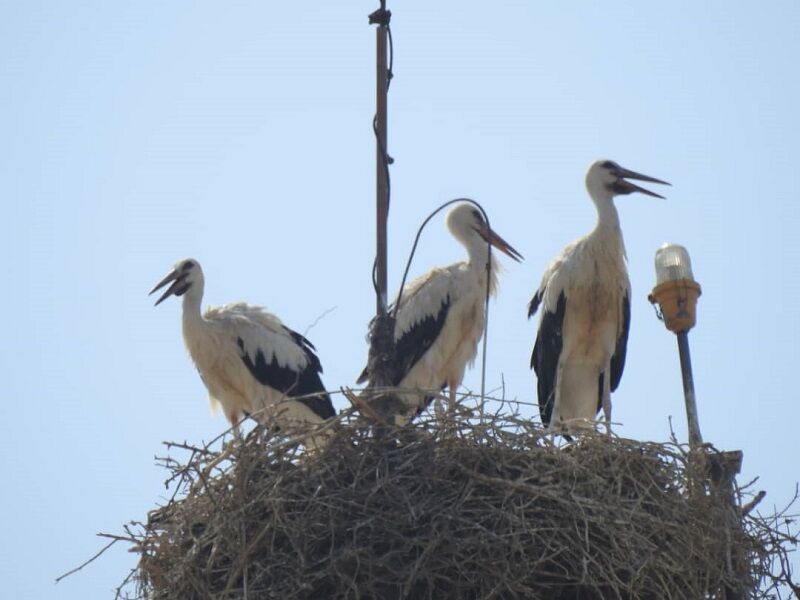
<point x="695" y="439"/>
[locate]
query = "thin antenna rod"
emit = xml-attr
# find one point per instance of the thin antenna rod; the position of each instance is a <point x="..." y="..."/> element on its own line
<point x="381" y="17"/>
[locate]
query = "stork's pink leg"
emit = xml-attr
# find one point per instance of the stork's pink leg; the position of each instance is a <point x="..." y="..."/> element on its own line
<point x="607" y="398"/>
<point x="452" y="388"/>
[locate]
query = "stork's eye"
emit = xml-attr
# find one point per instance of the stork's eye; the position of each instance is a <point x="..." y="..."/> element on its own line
<point x="608" y="165"/>
<point x="477" y="214"/>
<point x="187" y="265"/>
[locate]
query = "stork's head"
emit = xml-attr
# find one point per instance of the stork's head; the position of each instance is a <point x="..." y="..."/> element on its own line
<point x="608" y="176"/>
<point x="186" y="275"/>
<point x="468" y="226"/>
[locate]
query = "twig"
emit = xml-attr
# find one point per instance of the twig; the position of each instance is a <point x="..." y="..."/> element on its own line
<point x="93" y="558"/>
<point x="318" y="319"/>
<point x="748" y="508"/>
<point x="363" y="406"/>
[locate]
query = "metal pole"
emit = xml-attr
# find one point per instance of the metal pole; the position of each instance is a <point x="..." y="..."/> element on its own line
<point x="381" y="352"/>
<point x="695" y="439"/>
<point x="381" y="148"/>
<point x="722" y="468"/>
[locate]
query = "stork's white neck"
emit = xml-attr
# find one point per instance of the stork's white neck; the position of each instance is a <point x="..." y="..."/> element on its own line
<point x="192" y="301"/>
<point x="607" y="216"/>
<point x="607" y="233"/>
<point x="478" y="250"/>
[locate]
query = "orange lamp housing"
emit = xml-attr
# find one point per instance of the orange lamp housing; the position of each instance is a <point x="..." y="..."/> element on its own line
<point x="676" y="291"/>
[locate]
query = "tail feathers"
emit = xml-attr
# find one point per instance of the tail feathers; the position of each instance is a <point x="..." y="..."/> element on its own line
<point x="577" y="393"/>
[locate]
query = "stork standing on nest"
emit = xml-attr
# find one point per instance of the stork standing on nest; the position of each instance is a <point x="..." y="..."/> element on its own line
<point x="579" y="354"/>
<point x="441" y="316"/>
<point x="248" y="360"/>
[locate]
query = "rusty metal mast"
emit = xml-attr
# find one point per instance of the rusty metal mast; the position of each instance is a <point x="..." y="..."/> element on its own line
<point x="381" y="353"/>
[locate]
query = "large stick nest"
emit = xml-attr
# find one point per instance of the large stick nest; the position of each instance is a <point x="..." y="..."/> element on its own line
<point x="492" y="509"/>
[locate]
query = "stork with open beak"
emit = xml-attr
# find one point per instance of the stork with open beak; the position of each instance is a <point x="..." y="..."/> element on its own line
<point x="441" y="316"/>
<point x="250" y="362"/>
<point x="579" y="353"/>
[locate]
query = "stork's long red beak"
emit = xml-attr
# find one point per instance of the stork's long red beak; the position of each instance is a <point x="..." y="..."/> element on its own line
<point x="176" y="278"/>
<point x="498" y="242"/>
<point x="626" y="187"/>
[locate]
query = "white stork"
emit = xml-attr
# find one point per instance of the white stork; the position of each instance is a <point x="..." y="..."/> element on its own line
<point x="441" y="315"/>
<point x="579" y="354"/>
<point x="248" y="360"/>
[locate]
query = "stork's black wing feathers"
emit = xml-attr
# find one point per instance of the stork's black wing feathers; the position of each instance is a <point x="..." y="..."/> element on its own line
<point x="308" y="348"/>
<point x="534" y="304"/>
<point x="292" y="383"/>
<point x="415" y="342"/>
<point x="618" y="360"/>
<point x="546" y="353"/>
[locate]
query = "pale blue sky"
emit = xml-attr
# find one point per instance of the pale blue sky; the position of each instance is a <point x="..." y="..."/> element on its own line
<point x="137" y="133"/>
